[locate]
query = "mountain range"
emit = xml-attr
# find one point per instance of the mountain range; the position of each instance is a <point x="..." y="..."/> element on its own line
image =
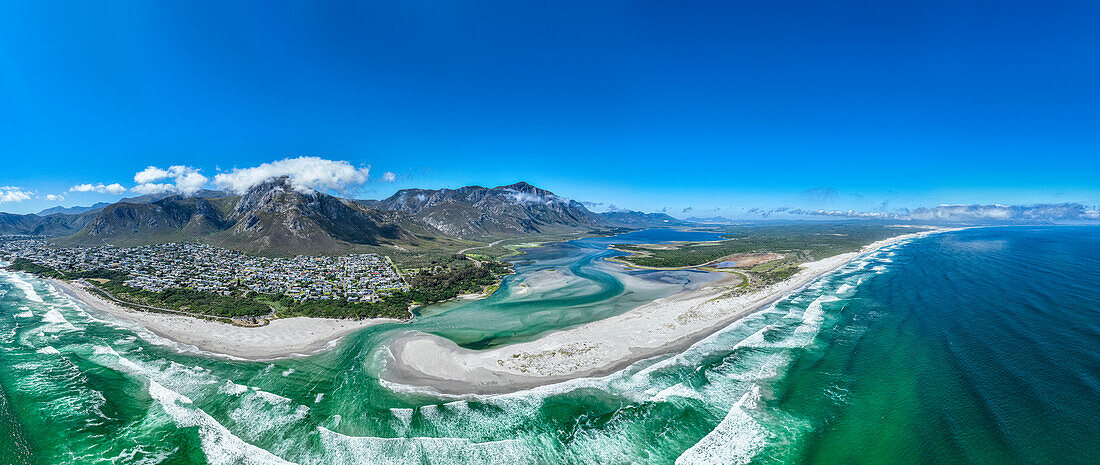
<point x="275" y="218"/>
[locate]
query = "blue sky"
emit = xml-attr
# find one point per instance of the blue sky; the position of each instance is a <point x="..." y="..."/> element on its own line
<point x="644" y="105"/>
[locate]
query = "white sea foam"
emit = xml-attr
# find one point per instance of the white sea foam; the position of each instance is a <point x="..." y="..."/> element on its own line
<point x="457" y="406"/>
<point x="734" y="441"/>
<point x="57" y="320"/>
<point x="403" y="415"/>
<point x="218" y="444"/>
<point x="48" y="350"/>
<point x="844" y="288"/>
<point x="429" y="411"/>
<point x="288" y="372"/>
<point x="317" y="399"/>
<point x="24" y="314"/>
<point x="26" y="287"/>
<point x="231" y="388"/>
<point x="258" y="415"/>
<point x="756" y="339"/>
<point x="271" y="398"/>
<point x="123" y="361"/>
<point x="814" y="315"/>
<point x="676" y="390"/>
<point x="341" y="448"/>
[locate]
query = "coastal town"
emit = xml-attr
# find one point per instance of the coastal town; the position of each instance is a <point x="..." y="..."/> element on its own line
<point x="356" y="278"/>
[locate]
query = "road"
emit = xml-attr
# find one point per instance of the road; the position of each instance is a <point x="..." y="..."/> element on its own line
<point x="476" y="261"/>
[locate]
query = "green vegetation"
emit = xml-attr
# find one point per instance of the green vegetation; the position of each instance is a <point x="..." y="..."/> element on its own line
<point x="22" y="264"/>
<point x="451" y="277"/>
<point x="391" y="306"/>
<point x="795" y="243"/>
<point x="180" y="299"/>
<point x="441" y="279"/>
<point x="800" y="242"/>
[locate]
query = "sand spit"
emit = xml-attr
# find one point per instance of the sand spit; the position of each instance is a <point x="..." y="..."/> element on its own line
<point x="282" y="338"/>
<point x="665" y="325"/>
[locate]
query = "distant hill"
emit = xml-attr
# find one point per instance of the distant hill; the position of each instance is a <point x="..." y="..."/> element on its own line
<point x="56" y="224"/>
<point x="172" y="217"/>
<point x="710" y="220"/>
<point x="475" y="211"/>
<point x="633" y="219"/>
<point x="71" y="210"/>
<point x="270" y="218"/>
<point x="150" y="198"/>
<point x="11" y="223"/>
<point x="273" y="218"/>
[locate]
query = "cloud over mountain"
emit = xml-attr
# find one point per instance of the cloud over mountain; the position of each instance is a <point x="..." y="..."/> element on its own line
<point x="840" y="213"/>
<point x="183" y="179"/>
<point x="306" y="174"/>
<point x="1038" y="213"/>
<point x="100" y="188"/>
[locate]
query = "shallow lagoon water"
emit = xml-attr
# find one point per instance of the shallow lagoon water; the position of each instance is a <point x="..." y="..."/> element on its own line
<point x="976" y="346"/>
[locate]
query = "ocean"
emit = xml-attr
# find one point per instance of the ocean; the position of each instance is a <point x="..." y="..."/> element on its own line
<point x="974" y="346"/>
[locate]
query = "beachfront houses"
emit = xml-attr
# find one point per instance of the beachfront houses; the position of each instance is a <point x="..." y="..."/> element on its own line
<point x="357" y="277"/>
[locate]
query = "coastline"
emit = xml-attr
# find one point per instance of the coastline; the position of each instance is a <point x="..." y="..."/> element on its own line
<point x="599" y="348"/>
<point x="281" y="338"/>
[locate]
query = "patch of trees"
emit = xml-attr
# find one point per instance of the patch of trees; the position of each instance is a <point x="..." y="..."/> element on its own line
<point x="441" y="281"/>
<point x="176" y="298"/>
<point x="22" y="264"/>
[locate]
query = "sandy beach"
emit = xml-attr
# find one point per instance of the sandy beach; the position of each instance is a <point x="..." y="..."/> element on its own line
<point x="283" y="337"/>
<point x="665" y="325"/>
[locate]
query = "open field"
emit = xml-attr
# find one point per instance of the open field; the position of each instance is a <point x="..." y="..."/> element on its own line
<point x="803" y="242"/>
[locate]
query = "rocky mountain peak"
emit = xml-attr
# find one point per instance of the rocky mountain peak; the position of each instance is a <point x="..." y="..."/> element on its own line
<point x="275" y="194"/>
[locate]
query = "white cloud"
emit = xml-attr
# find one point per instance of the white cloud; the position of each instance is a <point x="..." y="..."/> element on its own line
<point x="186" y="180"/>
<point x="149" y="175"/>
<point x="842" y="213"/>
<point x="190" y="182"/>
<point x="306" y="174"/>
<point x="55" y="198"/>
<point x="524" y="197"/>
<point x="101" y="188"/>
<point x="535" y="196"/>
<point x="389" y="177"/>
<point x="153" y="188"/>
<point x="1038" y="213"/>
<point x="14" y="194"/>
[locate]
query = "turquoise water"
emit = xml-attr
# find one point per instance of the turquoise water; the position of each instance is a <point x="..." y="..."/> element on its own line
<point x="977" y="346"/>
